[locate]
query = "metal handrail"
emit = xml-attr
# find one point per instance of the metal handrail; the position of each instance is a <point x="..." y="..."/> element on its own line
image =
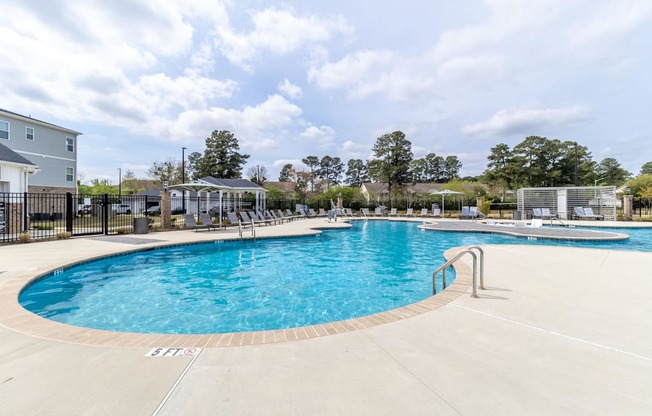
<point x="469" y="250"/>
<point x="481" y="251"/>
<point x="558" y="219"/>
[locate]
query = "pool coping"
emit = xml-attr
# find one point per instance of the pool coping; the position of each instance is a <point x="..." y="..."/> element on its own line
<point x="14" y="317"/>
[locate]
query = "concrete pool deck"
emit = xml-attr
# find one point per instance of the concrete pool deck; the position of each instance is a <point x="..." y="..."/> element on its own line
<point x="558" y="331"/>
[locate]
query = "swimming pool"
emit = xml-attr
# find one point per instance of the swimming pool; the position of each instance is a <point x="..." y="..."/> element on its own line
<point x="267" y="284"/>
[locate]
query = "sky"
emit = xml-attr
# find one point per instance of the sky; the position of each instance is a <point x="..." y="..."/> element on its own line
<point x="142" y="79"/>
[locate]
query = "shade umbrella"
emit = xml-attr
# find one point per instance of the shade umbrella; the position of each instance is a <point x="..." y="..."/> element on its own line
<point x="444" y="193"/>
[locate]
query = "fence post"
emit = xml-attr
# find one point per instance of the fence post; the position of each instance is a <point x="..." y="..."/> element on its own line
<point x="69" y="212"/>
<point x="105" y="213"/>
<point x="24" y="226"/>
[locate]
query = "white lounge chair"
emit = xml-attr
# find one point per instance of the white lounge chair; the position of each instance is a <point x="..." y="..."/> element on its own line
<point x="424" y="212"/>
<point x="409" y="212"/>
<point x="393" y="213"/>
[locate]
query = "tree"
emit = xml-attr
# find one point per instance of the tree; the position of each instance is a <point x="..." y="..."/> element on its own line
<point x="452" y="167"/>
<point x="257" y="174"/>
<point x="129" y="182"/>
<point x="330" y="169"/>
<point x="284" y="176"/>
<point x="419" y="170"/>
<point x="610" y="172"/>
<point x="221" y="158"/>
<point x="646" y="169"/>
<point x="356" y="172"/>
<point x="499" y="173"/>
<point x="166" y="170"/>
<point x="638" y="184"/>
<point x="312" y="162"/>
<point x="435" y="166"/>
<point x="394" y="154"/>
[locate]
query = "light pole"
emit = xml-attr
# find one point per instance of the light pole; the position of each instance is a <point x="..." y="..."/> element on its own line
<point x="576" y="181"/>
<point x="120" y="184"/>
<point x="183" y="178"/>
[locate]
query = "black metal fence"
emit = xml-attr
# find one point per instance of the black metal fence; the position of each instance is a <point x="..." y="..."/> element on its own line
<point x="28" y="216"/>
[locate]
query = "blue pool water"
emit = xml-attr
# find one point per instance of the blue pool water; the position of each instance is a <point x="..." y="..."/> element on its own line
<point x="267" y="284"/>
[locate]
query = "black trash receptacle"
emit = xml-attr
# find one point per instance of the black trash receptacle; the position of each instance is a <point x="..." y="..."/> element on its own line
<point x="516" y="215"/>
<point x="141" y="225"/>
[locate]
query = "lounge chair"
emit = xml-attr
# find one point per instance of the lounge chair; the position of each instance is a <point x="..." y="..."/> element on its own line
<point x="347" y="211"/>
<point x="247" y="220"/>
<point x="409" y="212"/>
<point x="208" y="221"/>
<point x="271" y="216"/>
<point x="536" y="213"/>
<point x="290" y="214"/>
<point x="545" y="213"/>
<point x="189" y="221"/>
<point x="322" y="212"/>
<point x="378" y="211"/>
<point x="365" y="212"/>
<point x="424" y="212"/>
<point x="259" y="217"/>
<point x="587" y="213"/>
<point x="284" y="216"/>
<point x="393" y="213"/>
<point x="436" y="212"/>
<point x="311" y="212"/>
<point x="470" y="212"/>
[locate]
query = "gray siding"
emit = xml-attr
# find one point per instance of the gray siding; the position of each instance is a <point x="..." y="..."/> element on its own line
<point x="47" y="150"/>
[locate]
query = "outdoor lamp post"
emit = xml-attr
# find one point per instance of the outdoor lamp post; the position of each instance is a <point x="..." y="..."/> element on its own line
<point x="120" y="183"/>
<point x="165" y="185"/>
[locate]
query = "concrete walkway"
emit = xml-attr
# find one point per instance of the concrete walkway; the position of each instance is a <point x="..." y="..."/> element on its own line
<point x="560" y="331"/>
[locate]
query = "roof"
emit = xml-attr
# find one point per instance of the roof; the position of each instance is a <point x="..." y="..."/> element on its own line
<point x="283" y="186"/>
<point x="37" y="121"/>
<point x="240" y="184"/>
<point x="8" y="155"/>
<point x="419" y="188"/>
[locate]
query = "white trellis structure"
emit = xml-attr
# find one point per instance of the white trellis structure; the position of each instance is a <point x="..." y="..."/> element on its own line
<point x="562" y="200"/>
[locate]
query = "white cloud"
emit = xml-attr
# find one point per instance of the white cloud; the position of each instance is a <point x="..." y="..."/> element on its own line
<point x="289" y="89"/>
<point x="527" y="121"/>
<point x="322" y="137"/>
<point x="278" y="30"/>
<point x="610" y="22"/>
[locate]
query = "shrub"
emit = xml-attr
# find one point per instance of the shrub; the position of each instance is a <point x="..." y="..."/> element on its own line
<point x="24" y="237"/>
<point x="64" y="235"/>
<point x="121" y="230"/>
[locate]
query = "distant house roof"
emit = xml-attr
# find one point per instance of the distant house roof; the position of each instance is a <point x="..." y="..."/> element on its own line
<point x="36" y="121"/>
<point x="8" y="155"/>
<point x="288" y="187"/>
<point x="419" y="188"/>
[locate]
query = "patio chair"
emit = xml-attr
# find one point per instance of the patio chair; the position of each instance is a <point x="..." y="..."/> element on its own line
<point x="436" y="212"/>
<point x="424" y="212"/>
<point x="409" y="212"/>
<point x="271" y="216"/>
<point x="311" y="213"/>
<point x="365" y="212"/>
<point x="587" y="213"/>
<point x="284" y="216"/>
<point x="259" y="217"/>
<point x="189" y="221"/>
<point x="393" y="213"/>
<point x="536" y="213"/>
<point x="545" y="213"/>
<point x="248" y="220"/>
<point x="347" y="211"/>
<point x="322" y="212"/>
<point x="208" y="221"/>
<point x="378" y="212"/>
<point x="475" y="213"/>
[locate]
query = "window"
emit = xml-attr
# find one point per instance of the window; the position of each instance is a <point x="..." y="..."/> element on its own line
<point x="29" y="133"/>
<point x="4" y="130"/>
<point x="70" y="174"/>
<point x="70" y="144"/>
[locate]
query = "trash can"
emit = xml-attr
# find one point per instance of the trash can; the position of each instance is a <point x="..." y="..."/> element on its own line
<point x="516" y="215"/>
<point x="141" y="225"/>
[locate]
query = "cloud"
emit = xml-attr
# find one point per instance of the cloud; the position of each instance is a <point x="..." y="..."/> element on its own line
<point x="611" y="22"/>
<point x="289" y="89"/>
<point x="527" y="121"/>
<point x="278" y="30"/>
<point x="323" y="136"/>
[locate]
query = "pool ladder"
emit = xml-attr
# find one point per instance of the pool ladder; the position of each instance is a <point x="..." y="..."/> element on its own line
<point x="253" y="229"/>
<point x="469" y="250"/>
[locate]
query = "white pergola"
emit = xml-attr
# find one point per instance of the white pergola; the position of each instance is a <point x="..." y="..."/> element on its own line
<point x="202" y="185"/>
